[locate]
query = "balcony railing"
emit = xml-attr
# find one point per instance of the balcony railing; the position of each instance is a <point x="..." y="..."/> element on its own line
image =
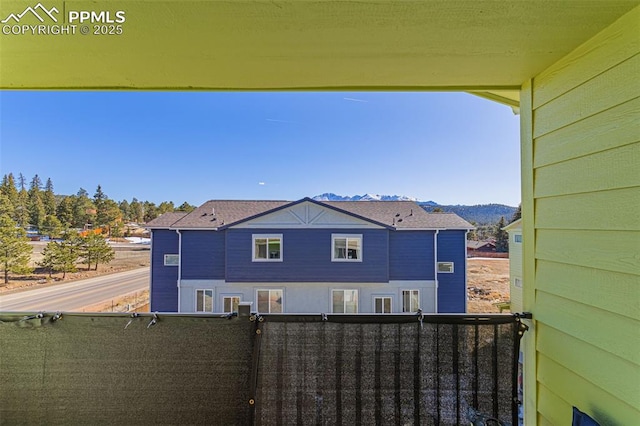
<point x="270" y="369"/>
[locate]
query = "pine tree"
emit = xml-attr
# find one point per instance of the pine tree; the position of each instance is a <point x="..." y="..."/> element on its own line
<point x="15" y="251"/>
<point x="64" y="211"/>
<point x="5" y="205"/>
<point x="502" y="237"/>
<point x="52" y="227"/>
<point x="83" y="209"/>
<point x="124" y="208"/>
<point x="186" y="207"/>
<point x="517" y="214"/>
<point x="68" y="252"/>
<point x="8" y="188"/>
<point x="136" y="211"/>
<point x="22" y="204"/>
<point x="49" y="198"/>
<point x="96" y="250"/>
<point x="50" y="257"/>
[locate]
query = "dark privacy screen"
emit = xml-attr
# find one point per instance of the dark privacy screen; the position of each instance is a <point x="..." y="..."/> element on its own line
<point x="275" y="369"/>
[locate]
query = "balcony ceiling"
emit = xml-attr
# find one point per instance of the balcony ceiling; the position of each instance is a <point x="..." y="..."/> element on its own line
<point x="488" y="46"/>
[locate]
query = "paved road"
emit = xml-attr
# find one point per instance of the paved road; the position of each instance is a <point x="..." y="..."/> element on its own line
<point x="77" y="294"/>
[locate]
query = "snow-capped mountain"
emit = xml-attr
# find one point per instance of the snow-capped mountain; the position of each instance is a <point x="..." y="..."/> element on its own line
<point x="330" y="196"/>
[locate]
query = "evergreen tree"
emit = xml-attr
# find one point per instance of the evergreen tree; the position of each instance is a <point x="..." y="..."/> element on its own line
<point x="8" y="188"/>
<point x="502" y="237"/>
<point x="186" y="207"/>
<point x="518" y="214"/>
<point x="49" y="198"/>
<point x="22" y="206"/>
<point x="84" y="211"/>
<point x="37" y="212"/>
<point x="64" y="211"/>
<point x="136" y="211"/>
<point x="51" y="256"/>
<point x="5" y="205"/>
<point x="165" y="207"/>
<point x="124" y="208"/>
<point x="52" y="227"/>
<point x="96" y="250"/>
<point x="68" y="253"/>
<point x="150" y="211"/>
<point x="15" y="251"/>
<point x="99" y="199"/>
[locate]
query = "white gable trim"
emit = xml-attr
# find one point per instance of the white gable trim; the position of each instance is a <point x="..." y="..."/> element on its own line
<point x="307" y="215"/>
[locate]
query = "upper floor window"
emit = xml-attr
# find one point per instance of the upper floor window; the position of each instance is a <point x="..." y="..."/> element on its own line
<point x="171" y="259"/>
<point x="517" y="238"/>
<point x="267" y="247"/>
<point x="445" y="267"/>
<point x="270" y="301"/>
<point x="204" y="300"/>
<point x="410" y="300"/>
<point x="345" y="301"/>
<point x="346" y="248"/>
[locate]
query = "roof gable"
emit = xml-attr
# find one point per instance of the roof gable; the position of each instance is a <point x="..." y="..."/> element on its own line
<point x="307" y="213"/>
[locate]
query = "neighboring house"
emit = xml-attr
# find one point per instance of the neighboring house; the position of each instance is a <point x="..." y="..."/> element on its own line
<point x="478" y="248"/>
<point x="309" y="256"/>
<point x="514" y="229"/>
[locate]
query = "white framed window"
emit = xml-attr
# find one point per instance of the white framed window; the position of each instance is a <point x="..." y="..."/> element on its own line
<point x="270" y="301"/>
<point x="344" y="301"/>
<point x="171" y="259"/>
<point x="346" y="248"/>
<point x="267" y="247"/>
<point x="517" y="238"/>
<point x="410" y="300"/>
<point x="230" y="304"/>
<point x="382" y="304"/>
<point x="517" y="282"/>
<point x="204" y="300"/>
<point x="445" y="267"/>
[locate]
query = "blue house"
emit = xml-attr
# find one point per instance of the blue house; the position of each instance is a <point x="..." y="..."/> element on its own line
<point x="309" y="256"/>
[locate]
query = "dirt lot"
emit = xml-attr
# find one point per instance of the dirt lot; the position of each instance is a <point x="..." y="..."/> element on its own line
<point x="128" y="256"/>
<point x="487" y="283"/>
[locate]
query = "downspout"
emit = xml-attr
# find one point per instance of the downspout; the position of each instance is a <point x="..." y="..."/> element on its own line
<point x="435" y="266"/>
<point x="179" y="264"/>
<point x="466" y="290"/>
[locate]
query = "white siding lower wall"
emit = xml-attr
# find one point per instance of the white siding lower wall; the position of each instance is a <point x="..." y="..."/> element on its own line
<point x="309" y="297"/>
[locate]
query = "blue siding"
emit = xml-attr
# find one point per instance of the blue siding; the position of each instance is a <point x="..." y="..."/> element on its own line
<point x="307" y="257"/>
<point x="164" y="279"/>
<point x="203" y="255"/>
<point x="451" y="287"/>
<point x="411" y="255"/>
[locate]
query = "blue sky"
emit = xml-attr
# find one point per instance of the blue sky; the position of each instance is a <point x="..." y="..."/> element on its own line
<point x="452" y="148"/>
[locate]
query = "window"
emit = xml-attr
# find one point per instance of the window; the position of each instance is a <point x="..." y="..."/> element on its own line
<point x="204" y="300"/>
<point x="171" y="259"/>
<point x="270" y="301"/>
<point x="517" y="282"/>
<point x="230" y="304"/>
<point x="346" y="248"/>
<point x="445" y="267"/>
<point x="382" y="304"/>
<point x="345" y="301"/>
<point x="267" y="248"/>
<point x="517" y="238"/>
<point x="410" y="300"/>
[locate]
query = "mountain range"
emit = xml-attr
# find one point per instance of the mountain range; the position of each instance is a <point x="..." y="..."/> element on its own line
<point x="481" y="214"/>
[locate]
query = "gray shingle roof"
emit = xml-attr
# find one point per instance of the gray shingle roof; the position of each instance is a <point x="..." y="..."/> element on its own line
<point x="165" y="220"/>
<point x="394" y="214"/>
<point x="217" y="213"/>
<point x="391" y="212"/>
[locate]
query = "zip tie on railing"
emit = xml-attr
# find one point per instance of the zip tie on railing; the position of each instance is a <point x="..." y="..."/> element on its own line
<point x="229" y="315"/>
<point x="133" y="316"/>
<point x="30" y="317"/>
<point x="324" y="317"/>
<point x="154" y="320"/>
<point x="420" y="318"/>
<point x="56" y="317"/>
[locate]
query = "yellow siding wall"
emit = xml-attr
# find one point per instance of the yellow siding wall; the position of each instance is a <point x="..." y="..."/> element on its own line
<point x="581" y="138"/>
